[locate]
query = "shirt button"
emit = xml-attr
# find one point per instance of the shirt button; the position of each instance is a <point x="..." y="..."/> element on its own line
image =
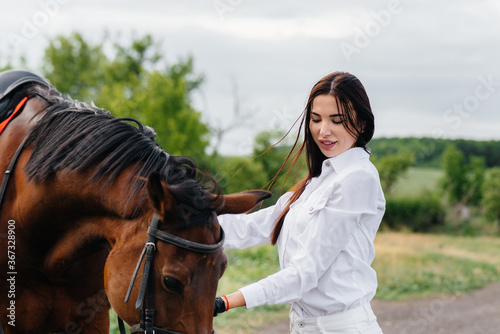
<point x="301" y="324"/>
<point x="327" y="164"/>
<point x="311" y="208"/>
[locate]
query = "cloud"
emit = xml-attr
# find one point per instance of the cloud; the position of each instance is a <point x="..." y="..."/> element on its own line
<point x="423" y="59"/>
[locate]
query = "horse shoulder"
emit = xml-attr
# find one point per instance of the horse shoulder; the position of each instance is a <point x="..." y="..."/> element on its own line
<point x="75" y="245"/>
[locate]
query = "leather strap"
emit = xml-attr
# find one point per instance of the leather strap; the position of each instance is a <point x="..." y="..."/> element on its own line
<point x="134" y="275"/>
<point x="121" y="326"/>
<point x="10" y="169"/>
<point x="149" y="311"/>
<point x="12" y="164"/>
<point x="18" y="108"/>
<point x="145" y="275"/>
<point x="186" y="244"/>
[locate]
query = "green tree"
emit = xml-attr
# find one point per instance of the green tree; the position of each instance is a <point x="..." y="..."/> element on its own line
<point x="132" y="81"/>
<point x="272" y="157"/>
<point x="462" y="181"/>
<point x="454" y="181"/>
<point x="491" y="194"/>
<point x="271" y="148"/>
<point x="241" y="173"/>
<point x="475" y="180"/>
<point x="391" y="167"/>
<point x="75" y="67"/>
<point x="6" y="67"/>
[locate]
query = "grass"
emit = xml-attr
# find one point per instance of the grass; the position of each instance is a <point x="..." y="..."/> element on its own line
<point x="417" y="181"/>
<point x="417" y="265"/>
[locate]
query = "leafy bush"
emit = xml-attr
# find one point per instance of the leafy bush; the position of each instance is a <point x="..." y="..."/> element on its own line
<point x="418" y="214"/>
<point x="491" y="199"/>
<point x="240" y="173"/>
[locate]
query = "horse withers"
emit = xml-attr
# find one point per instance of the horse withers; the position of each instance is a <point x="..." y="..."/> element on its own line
<point x="74" y="222"/>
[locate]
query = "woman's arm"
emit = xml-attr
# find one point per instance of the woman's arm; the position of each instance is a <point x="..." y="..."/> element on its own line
<point x="248" y="230"/>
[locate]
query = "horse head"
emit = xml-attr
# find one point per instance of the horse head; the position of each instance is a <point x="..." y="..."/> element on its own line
<point x="183" y="278"/>
<point x="88" y="194"/>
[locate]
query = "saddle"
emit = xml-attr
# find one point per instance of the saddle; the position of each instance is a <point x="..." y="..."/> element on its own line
<point x="10" y="82"/>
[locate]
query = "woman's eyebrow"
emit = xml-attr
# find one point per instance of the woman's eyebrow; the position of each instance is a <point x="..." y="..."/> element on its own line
<point x="333" y="115"/>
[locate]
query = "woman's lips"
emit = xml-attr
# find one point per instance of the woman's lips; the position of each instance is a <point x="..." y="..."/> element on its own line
<point x="327" y="144"/>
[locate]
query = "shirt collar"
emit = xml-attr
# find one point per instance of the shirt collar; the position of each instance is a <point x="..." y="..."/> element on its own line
<point x="341" y="161"/>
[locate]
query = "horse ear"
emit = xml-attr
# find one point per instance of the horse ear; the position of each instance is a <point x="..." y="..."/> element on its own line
<point x="243" y="201"/>
<point x="161" y="198"/>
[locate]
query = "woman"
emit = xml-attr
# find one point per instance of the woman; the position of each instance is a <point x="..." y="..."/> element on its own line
<point x="325" y="226"/>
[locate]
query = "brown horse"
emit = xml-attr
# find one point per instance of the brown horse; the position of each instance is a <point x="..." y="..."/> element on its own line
<point x="75" y="215"/>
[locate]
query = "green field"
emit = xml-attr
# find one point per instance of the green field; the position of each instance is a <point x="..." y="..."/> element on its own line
<point x="417" y="181"/>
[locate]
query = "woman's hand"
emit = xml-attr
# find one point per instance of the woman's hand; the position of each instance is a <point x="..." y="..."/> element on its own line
<point x="225" y="303"/>
<point x="220" y="306"/>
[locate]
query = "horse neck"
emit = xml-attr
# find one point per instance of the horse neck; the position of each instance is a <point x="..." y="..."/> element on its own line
<point x="74" y="197"/>
<point x="81" y="216"/>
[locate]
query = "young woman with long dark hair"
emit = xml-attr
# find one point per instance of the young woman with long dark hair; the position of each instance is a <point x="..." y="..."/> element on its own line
<point x="325" y="225"/>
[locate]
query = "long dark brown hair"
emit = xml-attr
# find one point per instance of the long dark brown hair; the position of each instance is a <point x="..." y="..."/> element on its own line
<point x="352" y="99"/>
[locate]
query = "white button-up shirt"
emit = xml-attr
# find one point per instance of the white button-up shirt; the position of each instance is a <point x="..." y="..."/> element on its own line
<point x="326" y="243"/>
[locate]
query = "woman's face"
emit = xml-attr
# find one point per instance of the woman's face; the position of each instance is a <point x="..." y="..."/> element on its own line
<point x="327" y="127"/>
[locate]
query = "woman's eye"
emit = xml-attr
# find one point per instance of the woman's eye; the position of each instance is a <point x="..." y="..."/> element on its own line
<point x="337" y="119"/>
<point x="316" y="120"/>
<point x="172" y="284"/>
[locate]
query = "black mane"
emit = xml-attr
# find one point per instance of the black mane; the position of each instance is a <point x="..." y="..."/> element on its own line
<point x="73" y="136"/>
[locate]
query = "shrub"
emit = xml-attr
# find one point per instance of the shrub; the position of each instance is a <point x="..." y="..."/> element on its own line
<point x="419" y="214"/>
<point x="491" y="190"/>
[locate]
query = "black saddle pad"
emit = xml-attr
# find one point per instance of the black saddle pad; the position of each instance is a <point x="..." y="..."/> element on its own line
<point x="10" y="81"/>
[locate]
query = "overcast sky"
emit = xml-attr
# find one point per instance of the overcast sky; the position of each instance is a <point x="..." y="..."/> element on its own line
<point x="431" y="68"/>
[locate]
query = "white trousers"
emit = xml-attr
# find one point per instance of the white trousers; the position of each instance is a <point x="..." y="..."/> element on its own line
<point x="360" y="320"/>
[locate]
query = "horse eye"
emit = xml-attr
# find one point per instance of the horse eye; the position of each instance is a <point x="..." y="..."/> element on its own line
<point x="172" y="284"/>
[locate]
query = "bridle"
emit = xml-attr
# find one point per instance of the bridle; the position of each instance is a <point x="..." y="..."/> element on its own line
<point x="147" y="310"/>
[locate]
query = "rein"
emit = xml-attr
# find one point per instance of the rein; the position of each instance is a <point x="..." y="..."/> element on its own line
<point x="146" y="324"/>
<point x="10" y="169"/>
<point x="16" y="155"/>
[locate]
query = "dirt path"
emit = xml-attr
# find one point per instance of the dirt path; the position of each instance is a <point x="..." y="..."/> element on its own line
<point x="477" y="312"/>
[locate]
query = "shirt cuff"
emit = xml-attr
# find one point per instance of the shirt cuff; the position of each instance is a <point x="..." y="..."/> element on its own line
<point x="254" y="295"/>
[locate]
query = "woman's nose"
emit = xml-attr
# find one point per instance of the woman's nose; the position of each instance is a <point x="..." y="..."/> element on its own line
<point x="325" y="129"/>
